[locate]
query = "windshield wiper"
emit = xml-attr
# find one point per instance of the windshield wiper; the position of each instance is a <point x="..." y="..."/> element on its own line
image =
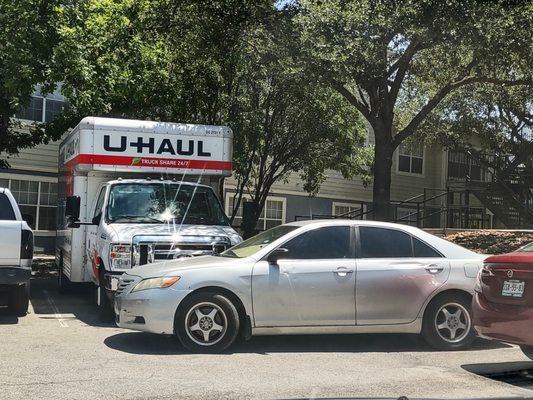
<point x="132" y="217"/>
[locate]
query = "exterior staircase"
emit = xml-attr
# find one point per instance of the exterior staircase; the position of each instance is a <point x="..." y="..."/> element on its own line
<point x="504" y="203"/>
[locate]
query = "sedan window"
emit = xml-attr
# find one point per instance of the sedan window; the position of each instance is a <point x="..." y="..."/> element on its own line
<point x="322" y="243"/>
<point x="384" y="243"/>
<point x="421" y="249"/>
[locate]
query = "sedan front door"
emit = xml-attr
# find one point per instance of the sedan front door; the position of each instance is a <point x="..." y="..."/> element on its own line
<point x="312" y="285"/>
<point x="396" y="273"/>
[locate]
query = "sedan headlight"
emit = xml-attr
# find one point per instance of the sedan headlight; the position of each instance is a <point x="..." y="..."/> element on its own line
<point x="120" y="256"/>
<point x="156" y="283"/>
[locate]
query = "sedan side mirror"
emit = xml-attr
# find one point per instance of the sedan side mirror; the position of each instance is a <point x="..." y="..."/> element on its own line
<point x="277" y="254"/>
<point x="28" y="218"/>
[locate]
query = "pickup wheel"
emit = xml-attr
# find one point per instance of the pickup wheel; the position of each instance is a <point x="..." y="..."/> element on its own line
<point x="19" y="299"/>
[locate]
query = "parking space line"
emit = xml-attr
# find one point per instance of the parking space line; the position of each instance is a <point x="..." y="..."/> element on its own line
<point x="62" y="322"/>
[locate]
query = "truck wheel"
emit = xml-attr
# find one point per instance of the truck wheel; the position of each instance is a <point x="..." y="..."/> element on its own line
<point x="19" y="298"/>
<point x="105" y="309"/>
<point x="63" y="283"/>
<point x="447" y="323"/>
<point x="206" y="323"/>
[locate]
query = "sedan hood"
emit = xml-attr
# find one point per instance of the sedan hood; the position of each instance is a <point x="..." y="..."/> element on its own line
<point x="172" y="267"/>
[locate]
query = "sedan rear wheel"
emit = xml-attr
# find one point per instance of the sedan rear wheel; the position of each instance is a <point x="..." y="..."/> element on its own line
<point x="447" y="323"/>
<point x="207" y="323"/>
<point x="528" y="351"/>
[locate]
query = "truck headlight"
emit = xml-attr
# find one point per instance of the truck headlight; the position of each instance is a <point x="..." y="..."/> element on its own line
<point x="120" y="256"/>
<point x="156" y="283"/>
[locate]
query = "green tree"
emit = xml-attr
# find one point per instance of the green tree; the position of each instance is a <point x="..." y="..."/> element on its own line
<point x="27" y="37"/>
<point x="396" y="61"/>
<point x="208" y="62"/>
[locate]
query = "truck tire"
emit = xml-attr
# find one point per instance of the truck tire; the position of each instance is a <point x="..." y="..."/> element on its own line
<point x="104" y="304"/>
<point x="63" y="283"/>
<point x="19" y="299"/>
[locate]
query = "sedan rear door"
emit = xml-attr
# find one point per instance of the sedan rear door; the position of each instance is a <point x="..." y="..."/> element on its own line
<point x="396" y="273"/>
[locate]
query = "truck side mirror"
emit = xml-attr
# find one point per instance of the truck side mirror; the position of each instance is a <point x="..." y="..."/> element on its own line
<point x="72" y="210"/>
<point x="96" y="219"/>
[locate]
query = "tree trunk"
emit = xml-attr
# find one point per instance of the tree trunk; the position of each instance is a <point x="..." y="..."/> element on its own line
<point x="382" y="178"/>
<point x="250" y="218"/>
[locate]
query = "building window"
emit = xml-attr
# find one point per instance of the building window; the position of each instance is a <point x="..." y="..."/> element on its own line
<point x="35" y="198"/>
<point x="34" y="112"/>
<point x="344" y="208"/>
<point x="273" y="213"/>
<point x="411" y="157"/>
<point x="42" y="109"/>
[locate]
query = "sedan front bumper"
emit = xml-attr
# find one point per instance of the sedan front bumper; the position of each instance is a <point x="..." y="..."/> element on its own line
<point x="151" y="310"/>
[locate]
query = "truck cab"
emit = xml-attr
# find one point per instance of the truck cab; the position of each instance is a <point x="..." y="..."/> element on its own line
<point x="137" y="192"/>
<point x="138" y="221"/>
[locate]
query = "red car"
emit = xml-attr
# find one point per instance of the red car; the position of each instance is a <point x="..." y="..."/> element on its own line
<point x="503" y="302"/>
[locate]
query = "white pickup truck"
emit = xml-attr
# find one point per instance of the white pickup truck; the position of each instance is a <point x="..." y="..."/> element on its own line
<point x="16" y="255"/>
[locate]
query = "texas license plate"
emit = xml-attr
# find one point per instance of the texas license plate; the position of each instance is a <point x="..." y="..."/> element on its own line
<point x="513" y="288"/>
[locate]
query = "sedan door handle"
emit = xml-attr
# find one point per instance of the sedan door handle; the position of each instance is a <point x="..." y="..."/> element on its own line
<point x="434" y="268"/>
<point x="343" y="271"/>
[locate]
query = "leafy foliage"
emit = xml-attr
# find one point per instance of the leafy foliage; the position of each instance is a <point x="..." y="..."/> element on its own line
<point x="27" y="38"/>
<point x="396" y="61"/>
<point x="208" y="62"/>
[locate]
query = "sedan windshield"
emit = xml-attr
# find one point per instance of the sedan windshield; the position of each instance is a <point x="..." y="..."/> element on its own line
<point x="256" y="243"/>
<point x="164" y="202"/>
<point x="526" y="248"/>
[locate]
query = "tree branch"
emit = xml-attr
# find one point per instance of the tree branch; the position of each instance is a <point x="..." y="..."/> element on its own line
<point x="443" y="92"/>
<point x="400" y="67"/>
<point x="361" y="106"/>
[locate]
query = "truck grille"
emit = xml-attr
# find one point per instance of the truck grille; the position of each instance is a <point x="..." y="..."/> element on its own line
<point x="123" y="284"/>
<point x="146" y="252"/>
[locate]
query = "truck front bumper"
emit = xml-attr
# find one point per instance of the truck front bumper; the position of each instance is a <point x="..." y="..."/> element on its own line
<point x="14" y="275"/>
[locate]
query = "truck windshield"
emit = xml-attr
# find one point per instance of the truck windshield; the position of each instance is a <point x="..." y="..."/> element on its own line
<point x="164" y="203"/>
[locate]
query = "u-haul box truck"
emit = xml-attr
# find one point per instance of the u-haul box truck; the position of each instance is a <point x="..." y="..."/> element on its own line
<point x="137" y="192"/>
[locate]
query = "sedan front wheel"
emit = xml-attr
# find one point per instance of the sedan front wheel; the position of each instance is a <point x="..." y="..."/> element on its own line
<point x="447" y="323"/>
<point x="206" y="323"/>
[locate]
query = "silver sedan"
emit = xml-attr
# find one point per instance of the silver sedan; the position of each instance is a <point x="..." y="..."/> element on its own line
<point x="313" y="277"/>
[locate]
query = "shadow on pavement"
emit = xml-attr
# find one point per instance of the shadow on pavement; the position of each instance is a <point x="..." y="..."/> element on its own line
<point x="6" y="318"/>
<point x="145" y="343"/>
<point x="78" y="303"/>
<point x="517" y="373"/>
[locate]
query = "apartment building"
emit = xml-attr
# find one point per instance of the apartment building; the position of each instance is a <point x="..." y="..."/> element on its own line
<point x="431" y="187"/>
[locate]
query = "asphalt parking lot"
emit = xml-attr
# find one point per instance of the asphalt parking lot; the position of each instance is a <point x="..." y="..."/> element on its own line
<point x="61" y="351"/>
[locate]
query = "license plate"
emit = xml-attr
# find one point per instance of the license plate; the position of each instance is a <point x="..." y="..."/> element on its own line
<point x="513" y="288"/>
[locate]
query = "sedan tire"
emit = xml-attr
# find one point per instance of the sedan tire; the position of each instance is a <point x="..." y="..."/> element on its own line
<point x="206" y="323"/>
<point x="447" y="323"/>
<point x="528" y="351"/>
